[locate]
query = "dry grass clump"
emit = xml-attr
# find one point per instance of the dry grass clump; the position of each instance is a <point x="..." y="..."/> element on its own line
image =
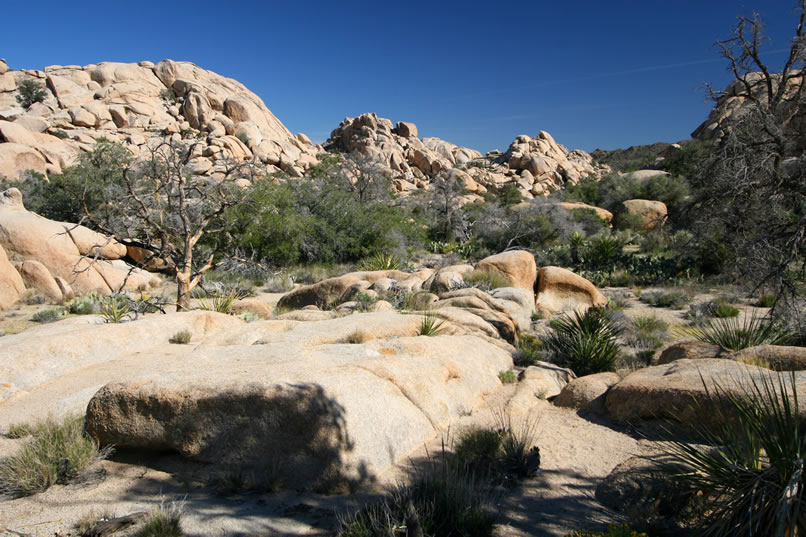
<point x="56" y="453"/>
<point x="182" y="337"/>
<point x="358" y="337"/>
<point x="485" y="280"/>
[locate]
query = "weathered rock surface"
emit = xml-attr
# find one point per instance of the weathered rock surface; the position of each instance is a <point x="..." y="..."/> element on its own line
<point x="67" y="251"/>
<point x="691" y="350"/>
<point x="652" y="213"/>
<point x="587" y="393"/>
<point x="293" y="394"/>
<point x="604" y="214"/>
<point x="560" y="290"/>
<point x="517" y="266"/>
<point x="11" y="284"/>
<point x="668" y="391"/>
<point x="778" y="357"/>
<point x="134" y="104"/>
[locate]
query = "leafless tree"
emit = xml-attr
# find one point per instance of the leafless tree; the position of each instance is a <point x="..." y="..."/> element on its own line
<point x="752" y="197"/>
<point x="159" y="206"/>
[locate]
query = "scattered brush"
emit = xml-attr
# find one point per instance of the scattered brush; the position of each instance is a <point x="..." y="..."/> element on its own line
<point x="586" y="343"/>
<point x="56" y="453"/>
<point x="358" y="337"/>
<point x="48" y="316"/>
<point x="521" y="456"/>
<point x="766" y="301"/>
<point x="734" y="335"/>
<point x="280" y="283"/>
<point x="19" y="430"/>
<point x="613" y="530"/>
<point x="485" y="280"/>
<point x="749" y="471"/>
<point x="181" y="338"/>
<point x="363" y="301"/>
<point x="666" y="299"/>
<point x="478" y="450"/>
<point x="163" y="522"/>
<point x="530" y="351"/>
<point x="431" y="325"/>
<point x="88" y="304"/>
<point x="221" y="303"/>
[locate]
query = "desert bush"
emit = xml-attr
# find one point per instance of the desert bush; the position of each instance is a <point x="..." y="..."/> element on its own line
<point x="358" y="336"/>
<point x="601" y="251"/>
<point x="666" y="299"/>
<point x="56" y="453"/>
<point x="440" y="499"/>
<point x="48" y="316"/>
<point x="115" y="309"/>
<point x="163" y="522"/>
<point x="485" y="280"/>
<point x="182" y="337"/>
<point x="431" y="325"/>
<point x="86" y="304"/>
<point x="530" y="351"/>
<point x="732" y="334"/>
<point x="478" y="449"/>
<point x="766" y="301"/>
<point x="168" y="95"/>
<point x="508" y="377"/>
<point x="586" y="343"/>
<point x="280" y="283"/>
<point x="520" y="457"/>
<point x="748" y="468"/>
<point x="30" y="91"/>
<point x="363" y="301"/>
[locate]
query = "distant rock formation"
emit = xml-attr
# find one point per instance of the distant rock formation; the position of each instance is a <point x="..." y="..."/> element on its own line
<point x="140" y="105"/>
<point x="536" y="166"/>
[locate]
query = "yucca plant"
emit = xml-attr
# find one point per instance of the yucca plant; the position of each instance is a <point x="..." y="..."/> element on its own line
<point x="221" y="303"/>
<point x="431" y="325"/>
<point x="382" y="261"/>
<point x="115" y="309"/>
<point x="749" y="472"/>
<point x="735" y="335"/>
<point x="586" y="343"/>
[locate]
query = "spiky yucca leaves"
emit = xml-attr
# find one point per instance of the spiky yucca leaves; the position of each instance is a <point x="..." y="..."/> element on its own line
<point x="751" y="472"/>
<point x="382" y="261"/>
<point x="736" y="335"/>
<point x="431" y="325"/>
<point x="586" y="343"/>
<point x="222" y="303"/>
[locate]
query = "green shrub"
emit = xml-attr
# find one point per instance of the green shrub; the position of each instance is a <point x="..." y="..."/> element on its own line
<point x="586" y="343"/>
<point x="725" y="310"/>
<point x="766" y="301"/>
<point x="747" y="468"/>
<point x="520" y="455"/>
<point x="530" y="351"/>
<point x="182" y="337"/>
<point x="19" y="430"/>
<point x="249" y="317"/>
<point x="85" y="305"/>
<point x="485" y="280"/>
<point x="431" y="325"/>
<point x="734" y="335"/>
<point x="508" y="377"/>
<point x="30" y="91"/>
<point x="602" y="251"/>
<point x="478" y="449"/>
<point x="115" y="309"/>
<point x="168" y="95"/>
<point x="363" y="301"/>
<point x="47" y="316"/>
<point x="56" y="453"/>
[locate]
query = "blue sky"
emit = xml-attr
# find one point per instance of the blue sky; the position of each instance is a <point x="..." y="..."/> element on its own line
<point x="594" y="74"/>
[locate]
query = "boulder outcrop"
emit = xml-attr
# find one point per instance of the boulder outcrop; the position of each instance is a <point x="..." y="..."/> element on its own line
<point x="560" y="290"/>
<point x="652" y="213"/>
<point x="141" y="105"/>
<point x="517" y="266"/>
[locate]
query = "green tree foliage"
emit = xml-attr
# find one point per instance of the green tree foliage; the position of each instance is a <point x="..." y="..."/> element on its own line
<point x="29" y="91"/>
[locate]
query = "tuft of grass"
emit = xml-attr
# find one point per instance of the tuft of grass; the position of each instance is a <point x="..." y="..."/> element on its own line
<point x="382" y="261"/>
<point x="734" y="335"/>
<point x="748" y="468"/>
<point x="508" y="377"/>
<point x="358" y="337"/>
<point x="485" y="280"/>
<point x="221" y="303"/>
<point x="586" y="343"/>
<point x="48" y="316"/>
<point x="431" y="325"/>
<point x="56" y="453"/>
<point x="520" y="455"/>
<point x="88" y="521"/>
<point x="19" y="430"/>
<point x="613" y="530"/>
<point x="182" y="337"/>
<point x="163" y="522"/>
<point x="766" y="301"/>
<point x="478" y="449"/>
<point x="725" y="310"/>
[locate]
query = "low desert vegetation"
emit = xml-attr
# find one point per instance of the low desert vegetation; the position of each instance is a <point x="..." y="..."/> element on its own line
<point x="56" y="452"/>
<point x="733" y="334"/>
<point x="431" y="325"/>
<point x="614" y="530"/>
<point x="221" y="303"/>
<point x="586" y="343"/>
<point x="358" y="337"/>
<point x="182" y="337"/>
<point x="674" y="299"/>
<point x="48" y="316"/>
<point x="166" y="521"/>
<point x="508" y="377"/>
<point x="485" y="280"/>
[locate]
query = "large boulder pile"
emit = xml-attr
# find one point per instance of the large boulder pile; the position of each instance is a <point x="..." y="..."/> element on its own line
<point x="536" y="166"/>
<point x="57" y="259"/>
<point x="141" y="105"/>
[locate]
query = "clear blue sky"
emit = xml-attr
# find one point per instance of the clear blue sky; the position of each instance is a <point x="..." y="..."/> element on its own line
<point x="603" y="74"/>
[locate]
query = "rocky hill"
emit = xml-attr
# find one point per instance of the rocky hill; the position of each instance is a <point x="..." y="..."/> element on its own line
<point x="138" y="105"/>
<point x="143" y="104"/>
<point x="536" y="166"/>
